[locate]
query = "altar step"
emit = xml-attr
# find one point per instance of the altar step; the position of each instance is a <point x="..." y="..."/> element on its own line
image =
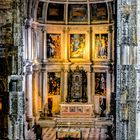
<point x="87" y="133"/>
<point x="82" y="122"/>
<point x="30" y="134"/>
<point x="75" y="122"/>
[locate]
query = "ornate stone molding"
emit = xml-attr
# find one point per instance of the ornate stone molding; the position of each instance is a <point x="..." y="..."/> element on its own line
<point x="126" y="74"/>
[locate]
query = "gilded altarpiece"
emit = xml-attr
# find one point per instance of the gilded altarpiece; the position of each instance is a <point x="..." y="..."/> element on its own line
<point x="77" y="85"/>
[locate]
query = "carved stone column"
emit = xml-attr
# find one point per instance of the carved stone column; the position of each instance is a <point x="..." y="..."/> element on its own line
<point x="126" y="72"/>
<point x="138" y="104"/>
<point x="28" y="85"/>
<point x="29" y="95"/>
<point x="44" y="52"/>
<point x="16" y="108"/>
<point x="44" y="88"/>
<point x="110" y="45"/>
<point x="138" y="74"/>
<point x="35" y="44"/>
<point x="29" y="39"/>
<point x="35" y="90"/>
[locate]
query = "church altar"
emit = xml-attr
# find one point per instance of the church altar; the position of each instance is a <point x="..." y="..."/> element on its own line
<point x="68" y="133"/>
<point x="76" y="110"/>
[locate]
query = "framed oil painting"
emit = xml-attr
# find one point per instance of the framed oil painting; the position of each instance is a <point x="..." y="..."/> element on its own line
<point x="55" y="12"/>
<point x="77" y="13"/>
<point x="54" y="81"/>
<point x="54" y="46"/>
<point x="40" y="10"/>
<point x="77" y="45"/>
<point x="100" y="83"/>
<point x="101" y="46"/>
<point x="99" y="12"/>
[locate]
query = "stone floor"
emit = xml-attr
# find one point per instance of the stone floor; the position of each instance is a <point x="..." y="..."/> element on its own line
<point x="87" y="133"/>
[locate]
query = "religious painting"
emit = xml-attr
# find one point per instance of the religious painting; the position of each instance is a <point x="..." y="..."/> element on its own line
<point x="77" y="45"/>
<point x="55" y="12"/>
<point x="77" y="13"/>
<point x="100" y="84"/>
<point x="99" y="12"/>
<point x="101" y="46"/>
<point x="54" y="46"/>
<point x="54" y="79"/>
<point x="40" y="10"/>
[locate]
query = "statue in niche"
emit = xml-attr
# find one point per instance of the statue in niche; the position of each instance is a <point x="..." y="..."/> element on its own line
<point x="77" y="85"/>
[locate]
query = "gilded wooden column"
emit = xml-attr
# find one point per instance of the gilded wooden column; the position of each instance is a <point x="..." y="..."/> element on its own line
<point x="65" y="42"/>
<point x="93" y="88"/>
<point x="65" y="83"/>
<point x="89" y="94"/>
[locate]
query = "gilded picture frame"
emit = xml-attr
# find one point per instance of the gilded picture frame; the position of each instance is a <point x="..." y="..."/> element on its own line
<point x="101" y="45"/>
<point x="55" y="12"/>
<point x="99" y="12"/>
<point x="53" y="45"/>
<point x="77" y="45"/>
<point x="54" y="83"/>
<point x="77" y="13"/>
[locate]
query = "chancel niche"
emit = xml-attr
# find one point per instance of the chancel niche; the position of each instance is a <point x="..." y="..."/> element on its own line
<point x="77" y="85"/>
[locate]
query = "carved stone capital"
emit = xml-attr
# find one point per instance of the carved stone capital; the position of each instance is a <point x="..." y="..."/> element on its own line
<point x="28" y="23"/>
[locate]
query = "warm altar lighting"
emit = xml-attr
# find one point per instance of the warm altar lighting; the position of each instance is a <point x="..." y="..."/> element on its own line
<point x="0" y="105"/>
